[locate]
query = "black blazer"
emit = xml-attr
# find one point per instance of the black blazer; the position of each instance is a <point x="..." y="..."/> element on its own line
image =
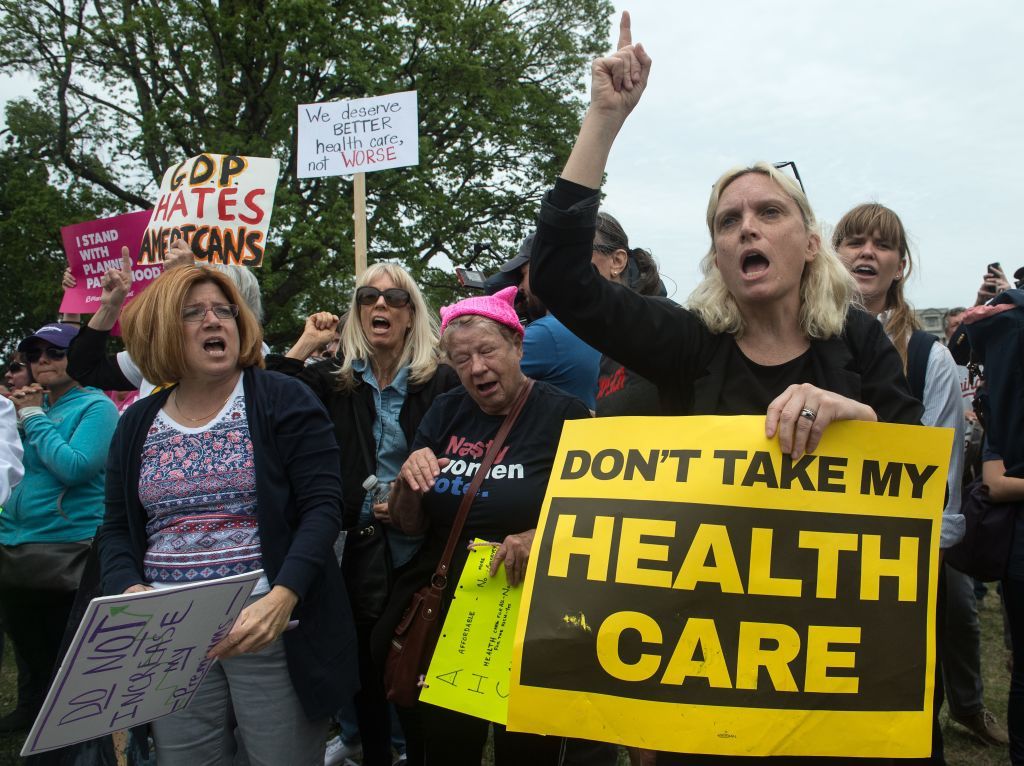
<point x="299" y="515"/>
<point x="353" y="413"/>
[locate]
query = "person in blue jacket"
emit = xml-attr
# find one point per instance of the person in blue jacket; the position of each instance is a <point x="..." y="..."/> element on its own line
<point x="59" y="503"/>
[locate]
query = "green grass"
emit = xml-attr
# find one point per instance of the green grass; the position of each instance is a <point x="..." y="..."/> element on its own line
<point x="961" y="748"/>
<point x="10" y="744"/>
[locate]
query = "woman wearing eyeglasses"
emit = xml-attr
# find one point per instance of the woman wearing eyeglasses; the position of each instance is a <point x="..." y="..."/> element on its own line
<point x="52" y="515"/>
<point x="377" y="391"/>
<point x="231" y="469"/>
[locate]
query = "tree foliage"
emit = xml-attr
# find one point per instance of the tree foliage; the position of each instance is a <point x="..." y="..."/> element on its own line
<point x="32" y="260"/>
<point x="128" y="89"/>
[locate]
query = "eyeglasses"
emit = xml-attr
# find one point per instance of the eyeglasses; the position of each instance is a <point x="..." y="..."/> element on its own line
<point x="395" y="297"/>
<point x="52" y="353"/>
<point x="198" y="313"/>
<point x="796" y="173"/>
<point x="15" y="367"/>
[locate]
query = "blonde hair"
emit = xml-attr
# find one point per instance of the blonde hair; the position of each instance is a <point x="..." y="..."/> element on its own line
<point x="865" y="220"/>
<point x="420" y="350"/>
<point x="151" y="325"/>
<point x="826" y="287"/>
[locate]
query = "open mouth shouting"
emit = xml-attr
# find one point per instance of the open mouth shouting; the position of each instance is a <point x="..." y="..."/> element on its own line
<point x="865" y="270"/>
<point x="754" y="264"/>
<point x="380" y="324"/>
<point x="486" y="388"/>
<point x="215" y="346"/>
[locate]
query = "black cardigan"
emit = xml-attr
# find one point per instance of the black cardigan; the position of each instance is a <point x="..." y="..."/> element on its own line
<point x="298" y="511"/>
<point x="669" y="345"/>
<point x="353" y="413"/>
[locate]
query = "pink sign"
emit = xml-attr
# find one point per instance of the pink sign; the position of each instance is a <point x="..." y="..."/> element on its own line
<point x="95" y="246"/>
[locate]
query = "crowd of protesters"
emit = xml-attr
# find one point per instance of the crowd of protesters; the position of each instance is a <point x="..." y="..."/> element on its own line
<point x="236" y="459"/>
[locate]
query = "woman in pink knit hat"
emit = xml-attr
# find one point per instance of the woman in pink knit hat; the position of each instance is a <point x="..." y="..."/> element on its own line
<point x="483" y="340"/>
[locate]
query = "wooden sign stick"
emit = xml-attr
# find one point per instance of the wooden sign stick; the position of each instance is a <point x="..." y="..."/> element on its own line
<point x="359" y="217"/>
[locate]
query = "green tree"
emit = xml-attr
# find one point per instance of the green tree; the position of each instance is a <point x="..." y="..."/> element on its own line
<point x="129" y="88"/>
<point x="32" y="260"/>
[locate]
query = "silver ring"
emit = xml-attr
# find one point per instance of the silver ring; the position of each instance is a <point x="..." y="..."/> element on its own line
<point x="808" y="413"/>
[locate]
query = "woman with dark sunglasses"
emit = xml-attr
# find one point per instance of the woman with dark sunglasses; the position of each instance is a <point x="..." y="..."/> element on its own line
<point x="377" y="390"/>
<point x="53" y="513"/>
<point x="17" y="373"/>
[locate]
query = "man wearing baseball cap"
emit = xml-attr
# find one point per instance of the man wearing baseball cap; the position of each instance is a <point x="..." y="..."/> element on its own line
<point x="551" y="353"/>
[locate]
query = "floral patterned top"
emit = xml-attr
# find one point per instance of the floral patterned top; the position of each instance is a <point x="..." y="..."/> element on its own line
<point x="198" y="486"/>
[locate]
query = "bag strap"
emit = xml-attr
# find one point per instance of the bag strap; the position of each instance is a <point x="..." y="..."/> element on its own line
<point x="440" y="578"/>
<point x="919" y="348"/>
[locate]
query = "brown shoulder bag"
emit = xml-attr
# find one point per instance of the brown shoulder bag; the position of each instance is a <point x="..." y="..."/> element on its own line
<point x="417" y="632"/>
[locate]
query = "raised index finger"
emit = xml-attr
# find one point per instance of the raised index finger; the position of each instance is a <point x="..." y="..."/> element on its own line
<point x="625" y="33"/>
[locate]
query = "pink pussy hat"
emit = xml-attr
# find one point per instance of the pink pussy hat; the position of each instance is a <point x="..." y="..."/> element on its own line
<point x="498" y="307"/>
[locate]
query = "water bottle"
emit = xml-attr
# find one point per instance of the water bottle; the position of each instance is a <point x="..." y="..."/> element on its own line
<point x="379" y="491"/>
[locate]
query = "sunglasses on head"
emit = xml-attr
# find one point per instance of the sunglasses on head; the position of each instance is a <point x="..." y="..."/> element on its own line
<point x="395" y="297"/>
<point x="52" y="353"/>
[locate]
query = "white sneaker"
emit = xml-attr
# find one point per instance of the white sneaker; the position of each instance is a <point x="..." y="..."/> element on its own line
<point x="338" y="752"/>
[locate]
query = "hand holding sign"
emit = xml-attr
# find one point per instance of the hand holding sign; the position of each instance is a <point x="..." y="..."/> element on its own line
<point x="514" y="553"/>
<point x="179" y="254"/>
<point x="801" y="412"/>
<point x="258" y="625"/>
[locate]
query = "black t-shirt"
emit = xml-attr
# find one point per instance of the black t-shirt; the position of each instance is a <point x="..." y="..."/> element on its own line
<point x="750" y="387"/>
<point x="623" y="392"/>
<point x="510" y="498"/>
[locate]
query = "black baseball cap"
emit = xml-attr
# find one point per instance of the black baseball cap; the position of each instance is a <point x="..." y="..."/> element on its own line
<point x="523" y="256"/>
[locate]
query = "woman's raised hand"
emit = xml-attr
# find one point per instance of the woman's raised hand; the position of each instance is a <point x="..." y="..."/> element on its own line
<point x="800" y="414"/>
<point x="320" y="327"/>
<point x="618" y="80"/>
<point x="116" y="283"/>
<point x="179" y="254"/>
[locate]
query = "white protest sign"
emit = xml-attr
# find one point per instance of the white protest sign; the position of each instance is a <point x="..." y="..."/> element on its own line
<point x="136" y="657"/>
<point x="358" y="136"/>
<point x="220" y="204"/>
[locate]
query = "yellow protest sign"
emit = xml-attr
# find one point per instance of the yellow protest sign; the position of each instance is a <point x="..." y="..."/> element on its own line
<point x="469" y="671"/>
<point x="691" y="589"/>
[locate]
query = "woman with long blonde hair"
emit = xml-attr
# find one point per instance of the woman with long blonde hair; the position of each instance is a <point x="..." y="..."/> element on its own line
<point x="770" y="331"/>
<point x="377" y="391"/>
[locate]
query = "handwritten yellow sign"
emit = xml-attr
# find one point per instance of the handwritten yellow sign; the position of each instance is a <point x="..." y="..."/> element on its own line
<point x="692" y="589"/>
<point x="469" y="671"/>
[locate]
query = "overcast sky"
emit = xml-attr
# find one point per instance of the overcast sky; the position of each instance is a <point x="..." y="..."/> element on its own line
<point x="916" y="104"/>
